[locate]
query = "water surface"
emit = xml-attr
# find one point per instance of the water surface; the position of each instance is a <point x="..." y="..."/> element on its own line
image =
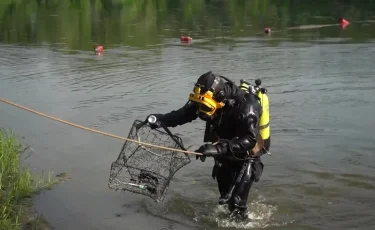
<point x="320" y="81"/>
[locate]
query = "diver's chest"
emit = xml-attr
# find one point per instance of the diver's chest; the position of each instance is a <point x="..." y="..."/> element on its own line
<point x="233" y="123"/>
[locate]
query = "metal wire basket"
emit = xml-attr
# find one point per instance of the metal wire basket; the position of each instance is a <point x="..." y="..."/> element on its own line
<point x="144" y="169"/>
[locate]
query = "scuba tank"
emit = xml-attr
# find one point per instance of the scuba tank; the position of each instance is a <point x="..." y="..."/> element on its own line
<point x="264" y="127"/>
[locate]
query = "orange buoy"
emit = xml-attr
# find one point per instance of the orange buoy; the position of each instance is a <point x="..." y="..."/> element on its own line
<point x="343" y="22"/>
<point x="99" y="50"/>
<point x="185" y="39"/>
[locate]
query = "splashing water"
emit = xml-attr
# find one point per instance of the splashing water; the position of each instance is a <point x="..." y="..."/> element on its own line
<point x="259" y="216"/>
<point x="209" y="213"/>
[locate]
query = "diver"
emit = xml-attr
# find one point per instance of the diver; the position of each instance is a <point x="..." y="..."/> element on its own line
<point x="237" y="133"/>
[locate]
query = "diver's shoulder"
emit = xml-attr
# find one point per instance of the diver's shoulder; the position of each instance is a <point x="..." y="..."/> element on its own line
<point x="249" y="102"/>
<point x="251" y="98"/>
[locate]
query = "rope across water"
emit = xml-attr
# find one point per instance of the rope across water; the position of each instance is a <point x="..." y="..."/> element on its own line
<point x="93" y="130"/>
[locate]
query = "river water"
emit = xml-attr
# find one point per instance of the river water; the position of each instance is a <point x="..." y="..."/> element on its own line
<point x="320" y="82"/>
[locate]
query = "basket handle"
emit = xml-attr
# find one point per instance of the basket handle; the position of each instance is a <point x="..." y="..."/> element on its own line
<point x="172" y="136"/>
<point x="140" y="125"/>
<point x="166" y="130"/>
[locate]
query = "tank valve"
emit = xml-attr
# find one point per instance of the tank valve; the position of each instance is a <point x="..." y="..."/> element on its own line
<point x="244" y="85"/>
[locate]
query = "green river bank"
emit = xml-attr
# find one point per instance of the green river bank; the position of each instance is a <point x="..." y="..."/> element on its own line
<point x="18" y="187"/>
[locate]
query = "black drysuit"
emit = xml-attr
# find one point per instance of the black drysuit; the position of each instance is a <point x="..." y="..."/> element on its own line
<point x="237" y="124"/>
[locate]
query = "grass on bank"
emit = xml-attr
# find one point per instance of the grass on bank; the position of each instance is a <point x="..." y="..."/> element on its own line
<point x="16" y="184"/>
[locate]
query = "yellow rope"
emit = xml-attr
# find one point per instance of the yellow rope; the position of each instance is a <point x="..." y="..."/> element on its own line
<point x="95" y="131"/>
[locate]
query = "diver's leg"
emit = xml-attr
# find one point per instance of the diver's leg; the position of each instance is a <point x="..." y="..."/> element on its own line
<point x="241" y="192"/>
<point x="225" y="176"/>
<point x="252" y="173"/>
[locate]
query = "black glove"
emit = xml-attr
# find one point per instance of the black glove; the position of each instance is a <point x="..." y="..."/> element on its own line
<point x="209" y="150"/>
<point x="156" y="124"/>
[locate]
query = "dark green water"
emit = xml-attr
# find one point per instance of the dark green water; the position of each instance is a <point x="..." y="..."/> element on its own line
<point x="320" y="81"/>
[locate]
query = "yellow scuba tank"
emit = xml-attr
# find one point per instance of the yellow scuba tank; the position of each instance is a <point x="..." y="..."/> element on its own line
<point x="264" y="123"/>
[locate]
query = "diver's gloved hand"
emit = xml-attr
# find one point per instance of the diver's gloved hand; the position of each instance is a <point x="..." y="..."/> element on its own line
<point x="209" y="150"/>
<point x="154" y="120"/>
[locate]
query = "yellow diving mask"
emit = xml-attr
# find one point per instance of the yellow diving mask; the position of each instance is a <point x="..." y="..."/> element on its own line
<point x="207" y="104"/>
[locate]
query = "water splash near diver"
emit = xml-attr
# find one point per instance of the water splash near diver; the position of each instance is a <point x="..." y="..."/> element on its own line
<point x="260" y="215"/>
<point x="194" y="213"/>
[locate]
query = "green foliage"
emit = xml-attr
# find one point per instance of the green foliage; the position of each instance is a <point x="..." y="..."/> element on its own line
<point x="16" y="183"/>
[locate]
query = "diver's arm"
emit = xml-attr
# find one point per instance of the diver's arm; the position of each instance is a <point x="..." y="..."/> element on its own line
<point x="240" y="146"/>
<point x="237" y="147"/>
<point x="250" y="116"/>
<point x="185" y="114"/>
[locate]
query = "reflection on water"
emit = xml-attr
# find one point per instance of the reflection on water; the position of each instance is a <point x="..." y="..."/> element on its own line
<point x="80" y="25"/>
<point x="319" y="79"/>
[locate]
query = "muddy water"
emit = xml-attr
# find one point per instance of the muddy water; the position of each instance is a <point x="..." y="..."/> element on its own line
<point x="320" y="84"/>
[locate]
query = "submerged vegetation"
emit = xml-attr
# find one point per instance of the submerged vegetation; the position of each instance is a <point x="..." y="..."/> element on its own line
<point x="17" y="184"/>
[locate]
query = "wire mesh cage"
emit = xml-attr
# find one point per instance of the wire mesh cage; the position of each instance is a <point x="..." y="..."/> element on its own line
<point x="144" y="169"/>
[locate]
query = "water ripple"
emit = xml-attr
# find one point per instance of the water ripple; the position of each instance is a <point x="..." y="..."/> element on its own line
<point x="321" y="103"/>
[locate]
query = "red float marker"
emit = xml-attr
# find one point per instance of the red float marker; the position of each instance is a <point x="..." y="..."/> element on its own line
<point x="267" y="31"/>
<point x="99" y="50"/>
<point x="186" y="39"/>
<point x="343" y="22"/>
